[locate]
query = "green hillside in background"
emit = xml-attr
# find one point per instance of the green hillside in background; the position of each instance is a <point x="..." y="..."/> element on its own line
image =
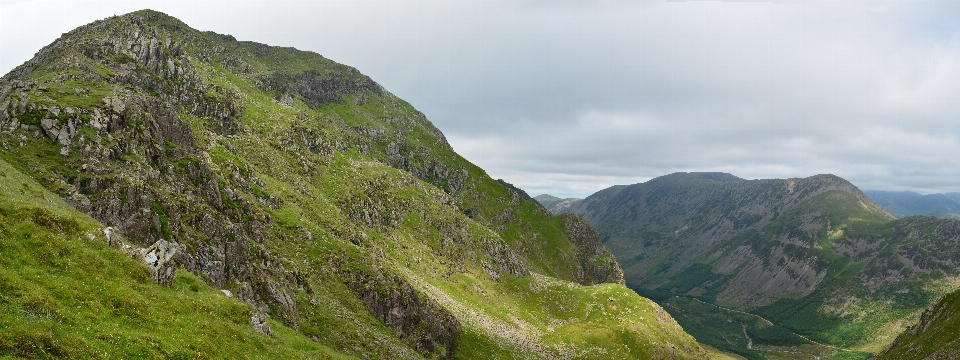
<point x="814" y="264"/>
<point x="908" y="203"/>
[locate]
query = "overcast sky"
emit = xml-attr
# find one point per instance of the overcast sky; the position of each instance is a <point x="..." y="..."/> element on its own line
<point x="570" y="97"/>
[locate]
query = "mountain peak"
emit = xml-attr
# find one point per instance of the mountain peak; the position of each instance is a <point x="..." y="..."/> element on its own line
<point x="314" y="196"/>
<point x="154" y="17"/>
<point x="546" y="197"/>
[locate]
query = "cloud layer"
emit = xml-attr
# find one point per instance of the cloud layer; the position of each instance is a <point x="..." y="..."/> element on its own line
<point x="569" y="97"/>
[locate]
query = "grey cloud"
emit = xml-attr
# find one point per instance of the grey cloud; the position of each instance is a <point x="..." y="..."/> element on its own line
<point x="570" y="97"/>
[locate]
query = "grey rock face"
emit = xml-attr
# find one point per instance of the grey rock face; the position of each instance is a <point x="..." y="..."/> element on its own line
<point x="260" y="325"/>
<point x="597" y="264"/>
<point x="319" y="89"/>
<point x="415" y="318"/>
<point x="159" y="260"/>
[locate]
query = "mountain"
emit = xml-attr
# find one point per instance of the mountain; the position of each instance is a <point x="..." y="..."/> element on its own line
<point x="906" y="203"/>
<point x="554" y="204"/>
<point x="810" y="262"/>
<point x="224" y="187"/>
<point x="934" y="336"/>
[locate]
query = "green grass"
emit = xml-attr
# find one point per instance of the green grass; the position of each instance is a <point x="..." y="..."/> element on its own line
<point x="564" y="316"/>
<point x="724" y="329"/>
<point x="696" y="275"/>
<point x="934" y="337"/>
<point x="65" y="294"/>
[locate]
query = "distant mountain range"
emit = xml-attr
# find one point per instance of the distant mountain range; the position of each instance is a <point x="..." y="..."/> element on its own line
<point x="803" y="265"/>
<point x="907" y="203"/>
<point x="899" y="203"/>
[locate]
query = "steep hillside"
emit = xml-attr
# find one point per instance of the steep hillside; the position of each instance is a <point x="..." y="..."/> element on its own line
<point x="65" y="294"/>
<point x="554" y="204"/>
<point x="934" y="337"/>
<point x="815" y="256"/>
<point x="311" y="193"/>
<point x="907" y="203"/>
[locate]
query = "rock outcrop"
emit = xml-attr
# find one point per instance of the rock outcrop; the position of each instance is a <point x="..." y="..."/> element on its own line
<point x="159" y="260"/>
<point x="260" y="325"/>
<point x="597" y="263"/>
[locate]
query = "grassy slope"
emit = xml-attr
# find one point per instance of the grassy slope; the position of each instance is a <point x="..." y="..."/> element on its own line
<point x="65" y="294"/>
<point x="316" y="224"/>
<point x="271" y="123"/>
<point x="934" y="337"/>
<point x="416" y="246"/>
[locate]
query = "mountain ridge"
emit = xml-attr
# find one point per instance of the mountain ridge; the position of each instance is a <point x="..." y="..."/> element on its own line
<point x="311" y="193"/>
<point x="907" y="203"/>
<point x="754" y="210"/>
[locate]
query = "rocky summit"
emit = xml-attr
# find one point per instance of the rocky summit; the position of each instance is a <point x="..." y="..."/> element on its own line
<point x="171" y="193"/>
<point x="766" y="267"/>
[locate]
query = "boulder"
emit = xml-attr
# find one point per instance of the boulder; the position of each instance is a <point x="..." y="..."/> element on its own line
<point x="259" y="323"/>
<point x="159" y="260"/>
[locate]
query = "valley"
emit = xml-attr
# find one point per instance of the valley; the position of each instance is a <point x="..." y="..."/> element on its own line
<point x="167" y="192"/>
<point x="809" y="265"/>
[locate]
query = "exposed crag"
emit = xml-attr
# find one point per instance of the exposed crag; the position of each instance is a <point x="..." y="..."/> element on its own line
<point x="599" y="266"/>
